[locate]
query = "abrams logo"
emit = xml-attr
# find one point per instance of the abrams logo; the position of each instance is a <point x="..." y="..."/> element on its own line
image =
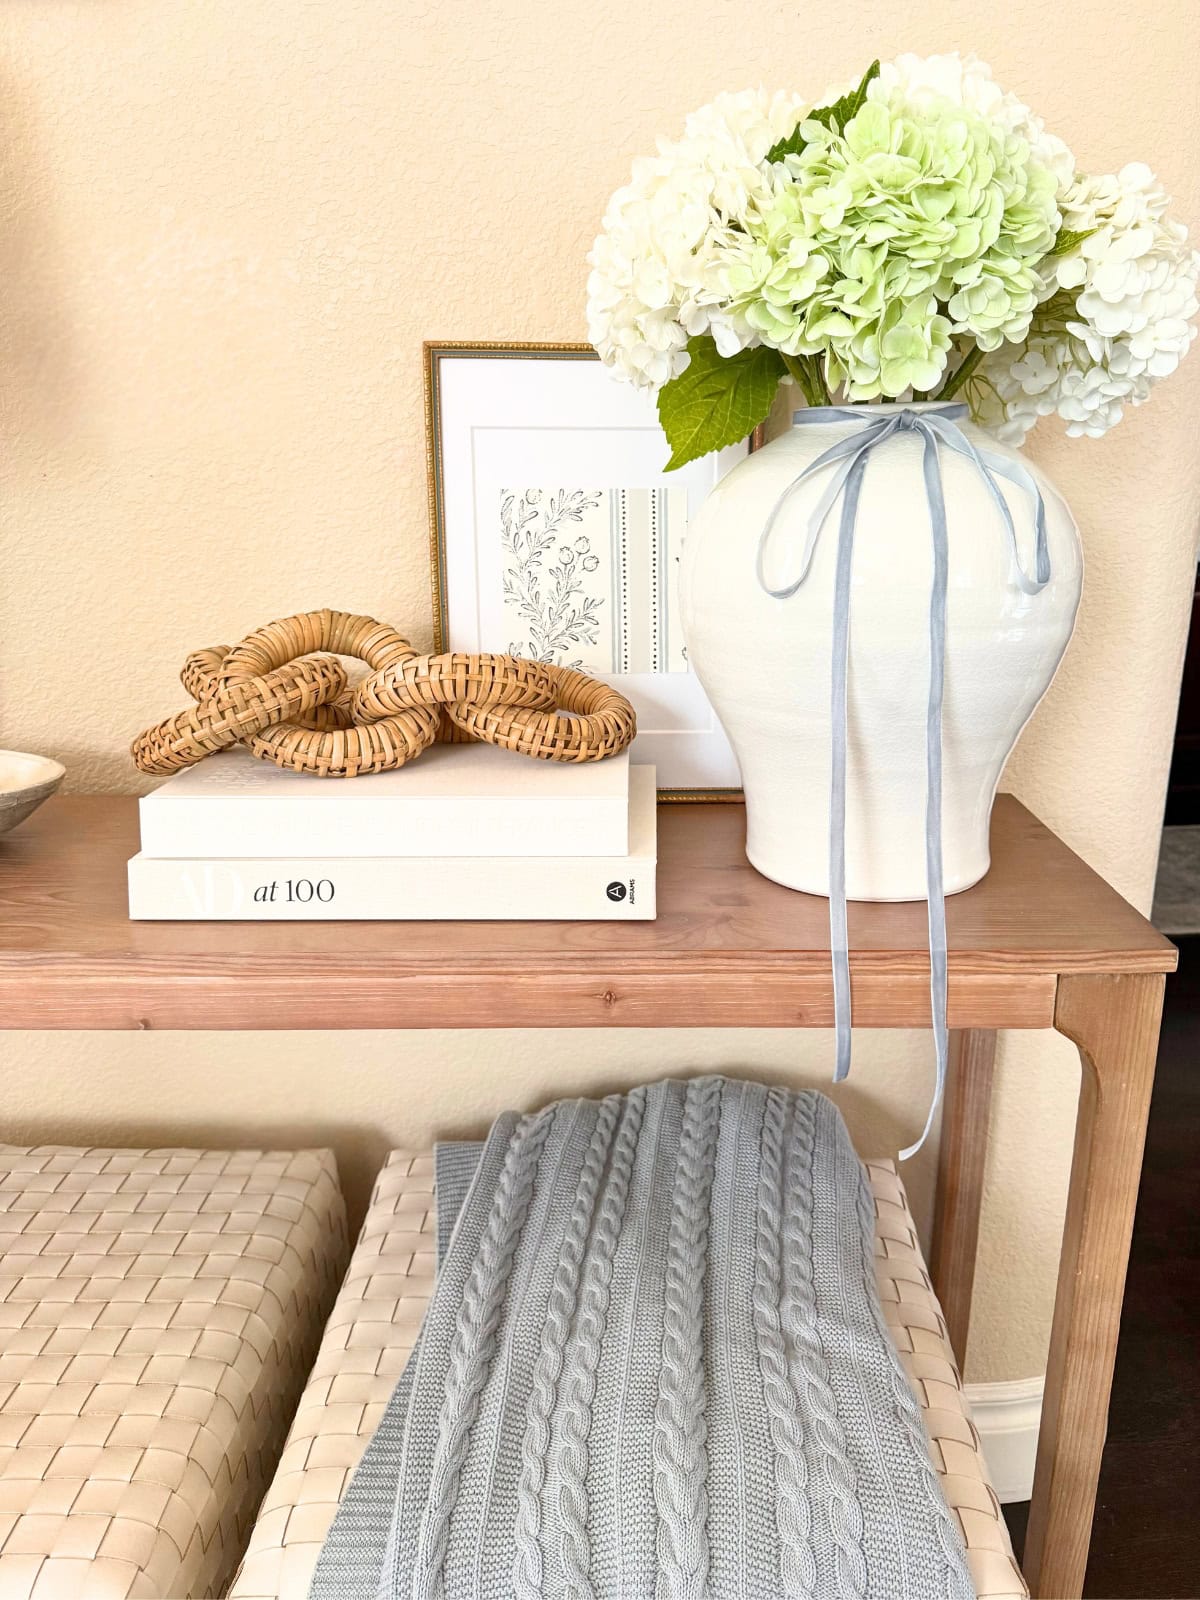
<point x="618" y="891"/>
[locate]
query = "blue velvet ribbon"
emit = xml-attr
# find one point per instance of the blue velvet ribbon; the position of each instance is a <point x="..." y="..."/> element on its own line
<point x="846" y="460"/>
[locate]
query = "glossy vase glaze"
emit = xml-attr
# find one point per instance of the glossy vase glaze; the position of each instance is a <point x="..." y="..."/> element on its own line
<point x="765" y="663"/>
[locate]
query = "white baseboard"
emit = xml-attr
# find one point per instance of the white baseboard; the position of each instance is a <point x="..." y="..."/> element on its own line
<point x="1007" y="1416"/>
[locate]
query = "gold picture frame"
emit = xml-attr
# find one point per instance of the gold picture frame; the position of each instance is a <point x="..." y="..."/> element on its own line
<point x="434" y="353"/>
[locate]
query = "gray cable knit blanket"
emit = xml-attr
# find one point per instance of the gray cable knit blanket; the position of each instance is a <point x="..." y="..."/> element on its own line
<point x="654" y="1367"/>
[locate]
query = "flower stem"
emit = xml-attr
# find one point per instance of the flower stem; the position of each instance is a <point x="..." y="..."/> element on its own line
<point x="806" y="372"/>
<point x="960" y="374"/>
<point x="799" y="376"/>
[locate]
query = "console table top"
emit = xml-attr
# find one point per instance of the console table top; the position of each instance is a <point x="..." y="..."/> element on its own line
<point x="729" y="947"/>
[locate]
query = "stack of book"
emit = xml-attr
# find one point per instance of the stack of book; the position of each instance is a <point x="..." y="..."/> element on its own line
<point x="465" y="832"/>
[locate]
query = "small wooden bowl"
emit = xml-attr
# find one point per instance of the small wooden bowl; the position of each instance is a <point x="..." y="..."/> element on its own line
<point x="25" y="781"/>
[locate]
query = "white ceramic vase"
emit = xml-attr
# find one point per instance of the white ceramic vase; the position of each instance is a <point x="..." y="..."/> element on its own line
<point x="766" y="663"/>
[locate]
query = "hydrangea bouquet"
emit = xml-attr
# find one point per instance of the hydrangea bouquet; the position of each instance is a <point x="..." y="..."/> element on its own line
<point x="920" y="236"/>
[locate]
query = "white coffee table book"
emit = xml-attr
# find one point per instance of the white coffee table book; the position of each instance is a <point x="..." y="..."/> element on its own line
<point x="544" y="882"/>
<point x="453" y="800"/>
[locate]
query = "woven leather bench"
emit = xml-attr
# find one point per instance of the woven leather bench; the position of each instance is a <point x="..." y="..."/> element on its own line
<point x="159" y="1310"/>
<point x="375" y="1323"/>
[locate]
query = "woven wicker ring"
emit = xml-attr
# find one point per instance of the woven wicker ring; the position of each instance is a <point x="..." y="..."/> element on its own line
<point x="282" y="694"/>
<point x="600" y="722"/>
<point x="341" y="751"/>
<point x="201" y="677"/>
<point x="492" y="680"/>
<point x="201" y="672"/>
<point x="226" y="715"/>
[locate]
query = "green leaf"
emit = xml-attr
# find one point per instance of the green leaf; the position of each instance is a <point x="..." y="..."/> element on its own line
<point x="791" y="146"/>
<point x="1067" y="240"/>
<point x="717" y="400"/>
<point x="834" y="116"/>
<point x="844" y="110"/>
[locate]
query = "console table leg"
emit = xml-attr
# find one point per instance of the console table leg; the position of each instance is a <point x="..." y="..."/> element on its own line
<point x="961" y="1157"/>
<point x="1114" y="1021"/>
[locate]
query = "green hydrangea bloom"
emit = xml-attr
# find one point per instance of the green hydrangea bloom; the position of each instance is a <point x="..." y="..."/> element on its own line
<point x="773" y="280"/>
<point x="905" y="347"/>
<point x="879" y="243"/>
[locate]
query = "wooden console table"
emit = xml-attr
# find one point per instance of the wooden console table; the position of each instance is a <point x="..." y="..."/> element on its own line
<point x="1042" y="942"/>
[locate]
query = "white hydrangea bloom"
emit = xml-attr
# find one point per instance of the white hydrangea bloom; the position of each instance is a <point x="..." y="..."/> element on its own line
<point x="650" y="284"/>
<point x="1133" y="283"/>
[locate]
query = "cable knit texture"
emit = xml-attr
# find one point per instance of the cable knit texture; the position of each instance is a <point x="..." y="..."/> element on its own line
<point x="654" y="1365"/>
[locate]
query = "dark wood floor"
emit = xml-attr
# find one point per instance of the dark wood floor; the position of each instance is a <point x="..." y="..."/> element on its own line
<point x="1146" y="1542"/>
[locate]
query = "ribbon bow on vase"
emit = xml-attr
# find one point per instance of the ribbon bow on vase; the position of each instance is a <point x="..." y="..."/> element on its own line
<point x="846" y="462"/>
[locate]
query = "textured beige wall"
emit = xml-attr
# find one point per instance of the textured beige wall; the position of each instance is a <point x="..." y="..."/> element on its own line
<point x="226" y="229"/>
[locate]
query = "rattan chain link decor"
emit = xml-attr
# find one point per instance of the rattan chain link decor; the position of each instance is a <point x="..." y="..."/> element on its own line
<point x="287" y="702"/>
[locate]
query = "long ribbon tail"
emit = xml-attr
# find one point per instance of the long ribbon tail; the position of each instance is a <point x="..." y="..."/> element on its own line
<point x="839" y="942"/>
<point x="934" y="881"/>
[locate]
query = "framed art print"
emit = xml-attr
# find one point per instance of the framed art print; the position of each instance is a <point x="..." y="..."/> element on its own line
<point x="557" y="535"/>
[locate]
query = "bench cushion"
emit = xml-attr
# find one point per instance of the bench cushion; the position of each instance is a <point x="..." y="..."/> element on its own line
<point x="159" y="1310"/>
<point x="378" y="1315"/>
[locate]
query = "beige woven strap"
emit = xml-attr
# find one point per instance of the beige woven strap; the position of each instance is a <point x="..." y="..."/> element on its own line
<point x="918" y="1329"/>
<point x="159" y="1313"/>
<point x="304" y="717"/>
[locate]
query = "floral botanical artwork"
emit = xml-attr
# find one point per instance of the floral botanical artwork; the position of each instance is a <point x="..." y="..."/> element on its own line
<point x="590" y="577"/>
